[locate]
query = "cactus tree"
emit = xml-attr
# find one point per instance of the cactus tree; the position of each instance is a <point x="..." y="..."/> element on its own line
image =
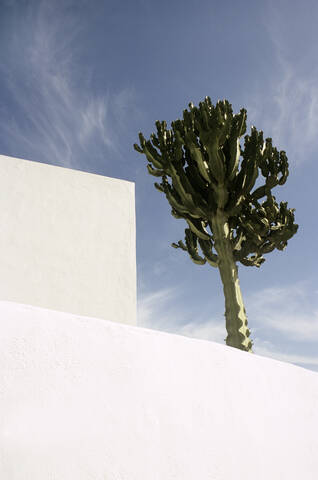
<point x="198" y="161"/>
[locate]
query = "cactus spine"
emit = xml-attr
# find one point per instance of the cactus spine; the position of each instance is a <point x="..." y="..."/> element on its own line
<point x="201" y="157"/>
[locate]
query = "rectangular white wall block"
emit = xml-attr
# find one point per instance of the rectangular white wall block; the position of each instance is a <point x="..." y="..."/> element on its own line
<point x="67" y="240"/>
<point x="85" y="399"/>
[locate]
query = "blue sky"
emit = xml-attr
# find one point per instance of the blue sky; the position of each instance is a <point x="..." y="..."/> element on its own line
<point x="80" y="79"/>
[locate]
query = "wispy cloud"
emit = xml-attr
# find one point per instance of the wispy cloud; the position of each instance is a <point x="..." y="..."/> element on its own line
<point x="296" y="114"/>
<point x="290" y="113"/>
<point x="162" y="310"/>
<point x="54" y="114"/>
<point x="300" y="360"/>
<point x="211" y="330"/>
<point x="289" y="311"/>
<point x="157" y="309"/>
<point x="281" y="310"/>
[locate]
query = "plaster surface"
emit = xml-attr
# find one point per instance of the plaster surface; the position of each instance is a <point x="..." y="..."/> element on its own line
<point x="89" y="399"/>
<point x="67" y="240"/>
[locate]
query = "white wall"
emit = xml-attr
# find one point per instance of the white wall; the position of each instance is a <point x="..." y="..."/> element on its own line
<point x="85" y="399"/>
<point x="67" y="240"/>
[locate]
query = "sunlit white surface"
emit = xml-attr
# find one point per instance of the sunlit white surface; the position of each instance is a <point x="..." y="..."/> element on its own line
<point x="67" y="240"/>
<point x="82" y="398"/>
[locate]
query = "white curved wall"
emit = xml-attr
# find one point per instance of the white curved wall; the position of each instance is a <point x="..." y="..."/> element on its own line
<point x="85" y="399"/>
<point x="67" y="240"/>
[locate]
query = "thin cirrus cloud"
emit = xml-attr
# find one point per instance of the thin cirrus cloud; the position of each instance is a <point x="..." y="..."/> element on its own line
<point x="295" y="99"/>
<point x="162" y="311"/>
<point x="278" y="309"/>
<point x="290" y="113"/>
<point x="287" y="311"/>
<point x="266" y="349"/>
<point x="153" y="309"/>
<point x="59" y="120"/>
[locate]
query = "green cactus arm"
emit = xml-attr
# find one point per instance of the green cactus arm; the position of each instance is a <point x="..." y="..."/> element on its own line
<point x="181" y="184"/>
<point x="197" y="227"/>
<point x="233" y="146"/>
<point x="175" y="201"/>
<point x="150" y="152"/>
<point x="197" y="155"/>
<point x="190" y="247"/>
<point x="178" y="184"/>
<point x="244" y="181"/>
<point x="191" y="143"/>
<point x="237" y="241"/>
<point x="194" y="176"/>
<point x="264" y="234"/>
<point x="260" y="192"/>
<point x="271" y="163"/>
<point x="180" y="244"/>
<point x="178" y="204"/>
<point x="159" y="187"/>
<point x="253" y="261"/>
<point x="189" y="196"/>
<point x="206" y="247"/>
<point x="191" y="243"/>
<point x="155" y="172"/>
<point x="213" y="126"/>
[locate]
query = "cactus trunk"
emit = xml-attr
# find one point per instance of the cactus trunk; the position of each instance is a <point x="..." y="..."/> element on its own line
<point x="235" y="314"/>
